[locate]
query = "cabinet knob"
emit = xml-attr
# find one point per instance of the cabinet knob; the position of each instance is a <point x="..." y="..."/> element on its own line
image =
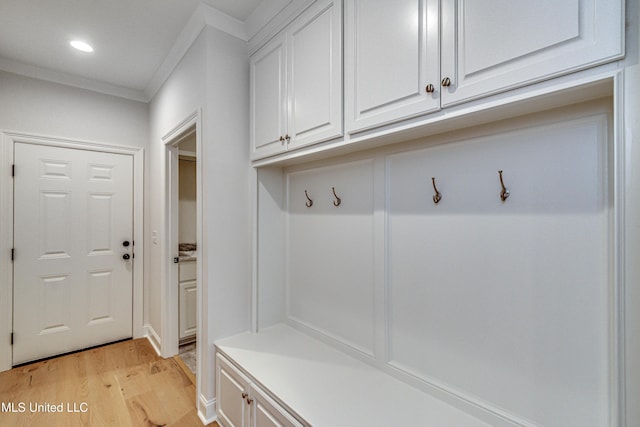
<point x="282" y="139"/>
<point x="245" y="395"/>
<point x="287" y="137"/>
<point x="446" y="82"/>
<point x="430" y="88"/>
<point x="249" y="401"/>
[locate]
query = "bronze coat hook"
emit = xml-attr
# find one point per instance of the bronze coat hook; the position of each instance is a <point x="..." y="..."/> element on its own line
<point x="338" y="200"/>
<point x="309" y="202"/>
<point x="504" y="193"/>
<point x="436" y="197"/>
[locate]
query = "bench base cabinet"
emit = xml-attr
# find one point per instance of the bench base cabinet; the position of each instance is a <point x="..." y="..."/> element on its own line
<point x="241" y="403"/>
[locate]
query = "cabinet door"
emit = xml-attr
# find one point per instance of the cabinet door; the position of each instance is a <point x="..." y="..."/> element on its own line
<point x="391" y="55"/>
<point x="268" y="99"/>
<point x="268" y="413"/>
<point x="231" y="388"/>
<point x="494" y="45"/>
<point x="188" y="308"/>
<point x="315" y="74"/>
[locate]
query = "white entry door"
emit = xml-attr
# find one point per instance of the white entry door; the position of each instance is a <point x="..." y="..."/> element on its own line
<point x="73" y="229"/>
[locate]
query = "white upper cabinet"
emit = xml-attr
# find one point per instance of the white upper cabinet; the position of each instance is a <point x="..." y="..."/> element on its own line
<point x="268" y="98"/>
<point x="405" y="58"/>
<point x="392" y="60"/>
<point x="408" y="58"/>
<point x="296" y="83"/>
<point x="494" y="45"/>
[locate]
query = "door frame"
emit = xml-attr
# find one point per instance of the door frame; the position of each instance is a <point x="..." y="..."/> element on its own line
<point x="169" y="296"/>
<point x="7" y="142"/>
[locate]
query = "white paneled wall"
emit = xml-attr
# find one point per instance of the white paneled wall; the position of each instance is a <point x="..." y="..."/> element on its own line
<point x="505" y="301"/>
<point x="509" y="306"/>
<point x="330" y="252"/>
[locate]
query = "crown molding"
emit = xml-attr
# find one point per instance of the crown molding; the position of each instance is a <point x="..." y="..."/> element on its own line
<point x="67" y="79"/>
<point x="270" y="18"/>
<point x="263" y="15"/>
<point x="203" y="16"/>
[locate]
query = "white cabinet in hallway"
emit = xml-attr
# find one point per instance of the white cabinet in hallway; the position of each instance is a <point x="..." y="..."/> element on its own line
<point x="406" y="58"/>
<point x="392" y="60"/>
<point x="296" y="83"/>
<point x="188" y="292"/>
<point x="493" y="45"/>
<point x="242" y="404"/>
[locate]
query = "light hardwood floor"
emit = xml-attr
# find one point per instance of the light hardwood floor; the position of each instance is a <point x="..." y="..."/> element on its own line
<point x="124" y="384"/>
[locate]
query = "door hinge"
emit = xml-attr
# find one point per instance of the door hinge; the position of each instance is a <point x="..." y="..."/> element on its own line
<point x="13" y="254"/>
<point x="11" y="338"/>
<point x="13" y="170"/>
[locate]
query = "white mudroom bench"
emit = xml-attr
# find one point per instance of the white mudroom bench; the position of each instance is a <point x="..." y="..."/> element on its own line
<point x="283" y="377"/>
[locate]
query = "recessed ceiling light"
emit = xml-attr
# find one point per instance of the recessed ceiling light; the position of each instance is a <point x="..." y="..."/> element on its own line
<point x="80" y="45"/>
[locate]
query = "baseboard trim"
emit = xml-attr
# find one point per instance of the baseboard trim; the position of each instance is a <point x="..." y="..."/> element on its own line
<point x="207" y="410"/>
<point x="153" y="338"/>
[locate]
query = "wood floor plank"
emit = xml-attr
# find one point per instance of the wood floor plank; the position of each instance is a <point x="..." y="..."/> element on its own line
<point x="124" y="384"/>
<point x="185" y="369"/>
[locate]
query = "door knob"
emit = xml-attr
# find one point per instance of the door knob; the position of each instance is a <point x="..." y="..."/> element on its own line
<point x="126" y="257"/>
<point x="125" y="243"/>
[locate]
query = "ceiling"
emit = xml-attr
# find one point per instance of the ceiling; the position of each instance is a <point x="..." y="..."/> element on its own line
<point x="131" y="38"/>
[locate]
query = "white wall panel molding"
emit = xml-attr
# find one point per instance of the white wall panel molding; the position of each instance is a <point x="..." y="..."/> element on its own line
<point x="623" y="199"/>
<point x="482" y="303"/>
<point x="330" y="260"/>
<point x="332" y="338"/>
<point x="480" y="290"/>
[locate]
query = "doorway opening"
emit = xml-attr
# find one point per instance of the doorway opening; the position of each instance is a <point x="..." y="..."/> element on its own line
<point x="187" y="250"/>
<point x="183" y="245"/>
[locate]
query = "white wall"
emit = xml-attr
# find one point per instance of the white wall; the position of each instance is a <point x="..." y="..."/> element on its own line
<point x="179" y="97"/>
<point x="213" y="77"/>
<point x="226" y="192"/>
<point x="226" y="169"/>
<point x="36" y="106"/>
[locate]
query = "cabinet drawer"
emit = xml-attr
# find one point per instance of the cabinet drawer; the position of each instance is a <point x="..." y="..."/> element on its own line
<point x="187" y="271"/>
